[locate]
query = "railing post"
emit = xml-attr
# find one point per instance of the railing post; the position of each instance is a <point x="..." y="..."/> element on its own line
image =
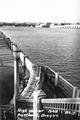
<point x="78" y="93"/>
<point x="16" y="80"/>
<point x="24" y="66"/>
<point x="11" y="45"/>
<point x="37" y="95"/>
<point x="56" y="79"/>
<point x="79" y="110"/>
<point x="74" y="92"/>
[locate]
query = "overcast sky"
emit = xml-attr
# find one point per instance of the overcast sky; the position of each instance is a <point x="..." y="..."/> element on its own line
<point x="40" y="10"/>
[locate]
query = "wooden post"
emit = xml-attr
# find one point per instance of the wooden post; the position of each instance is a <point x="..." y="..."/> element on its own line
<point x="11" y="45"/>
<point x="78" y="93"/>
<point x="24" y="66"/>
<point x="56" y="79"/>
<point x="79" y="111"/>
<point x="74" y="92"/>
<point x="37" y="95"/>
<point x="16" y="80"/>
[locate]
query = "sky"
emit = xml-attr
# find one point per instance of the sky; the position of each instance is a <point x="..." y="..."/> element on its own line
<point x="39" y="10"/>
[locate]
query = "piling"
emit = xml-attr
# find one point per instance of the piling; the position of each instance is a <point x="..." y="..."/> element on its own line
<point x="16" y="80"/>
<point x="74" y="92"/>
<point x="56" y="79"/>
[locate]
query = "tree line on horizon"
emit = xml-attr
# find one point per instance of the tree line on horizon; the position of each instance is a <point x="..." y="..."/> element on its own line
<point x="34" y="24"/>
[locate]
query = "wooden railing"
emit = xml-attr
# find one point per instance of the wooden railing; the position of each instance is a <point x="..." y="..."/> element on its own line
<point x="66" y="104"/>
<point x="40" y="104"/>
<point x="67" y="88"/>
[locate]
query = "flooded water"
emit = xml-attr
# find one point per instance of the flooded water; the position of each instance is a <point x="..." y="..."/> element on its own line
<point x="57" y="48"/>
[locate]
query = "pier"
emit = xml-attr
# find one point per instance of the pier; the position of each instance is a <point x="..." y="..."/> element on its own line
<point x="33" y="87"/>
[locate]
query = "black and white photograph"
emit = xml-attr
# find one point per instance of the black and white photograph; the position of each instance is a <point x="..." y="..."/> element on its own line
<point x="39" y="59"/>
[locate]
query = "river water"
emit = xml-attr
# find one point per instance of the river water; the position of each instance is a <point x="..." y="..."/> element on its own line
<point x="57" y="48"/>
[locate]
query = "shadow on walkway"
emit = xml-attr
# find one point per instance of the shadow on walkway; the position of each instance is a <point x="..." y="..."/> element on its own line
<point x="6" y="84"/>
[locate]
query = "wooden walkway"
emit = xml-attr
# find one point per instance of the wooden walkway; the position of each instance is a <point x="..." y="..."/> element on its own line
<point x="6" y="71"/>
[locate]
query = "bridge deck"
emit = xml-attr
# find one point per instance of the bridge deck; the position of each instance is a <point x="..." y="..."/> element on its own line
<point x="6" y="71"/>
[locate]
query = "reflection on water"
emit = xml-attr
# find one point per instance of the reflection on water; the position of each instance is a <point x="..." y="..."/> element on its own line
<point x="56" y="48"/>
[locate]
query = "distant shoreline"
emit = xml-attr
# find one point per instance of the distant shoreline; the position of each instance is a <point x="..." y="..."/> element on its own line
<point x="43" y="25"/>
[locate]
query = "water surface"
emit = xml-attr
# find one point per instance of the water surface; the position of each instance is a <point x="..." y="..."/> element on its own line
<point x="57" y="48"/>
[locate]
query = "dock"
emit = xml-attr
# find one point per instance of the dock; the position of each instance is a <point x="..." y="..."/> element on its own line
<point x="33" y="87"/>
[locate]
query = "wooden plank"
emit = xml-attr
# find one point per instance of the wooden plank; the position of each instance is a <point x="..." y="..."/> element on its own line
<point x="62" y="100"/>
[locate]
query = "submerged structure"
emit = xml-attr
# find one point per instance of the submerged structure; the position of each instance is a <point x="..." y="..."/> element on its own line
<point x="39" y="92"/>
